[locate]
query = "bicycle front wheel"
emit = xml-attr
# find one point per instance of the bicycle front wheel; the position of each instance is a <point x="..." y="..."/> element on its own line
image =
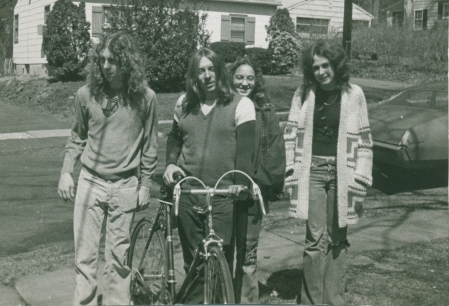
<point x="218" y="281"/>
<point x="148" y="262"/>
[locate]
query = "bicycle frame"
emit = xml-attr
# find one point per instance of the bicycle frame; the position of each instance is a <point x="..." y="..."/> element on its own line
<point x="210" y="239"/>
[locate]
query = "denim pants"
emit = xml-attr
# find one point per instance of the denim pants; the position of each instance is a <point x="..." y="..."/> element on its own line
<point x="247" y="232"/>
<point x="191" y="230"/>
<point x="114" y="203"/>
<point x="326" y="244"/>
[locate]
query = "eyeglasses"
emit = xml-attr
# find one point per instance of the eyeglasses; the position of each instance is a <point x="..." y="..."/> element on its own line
<point x="241" y="78"/>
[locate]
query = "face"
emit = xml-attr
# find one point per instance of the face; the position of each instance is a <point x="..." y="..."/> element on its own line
<point x="110" y="69"/>
<point x="244" y="80"/>
<point x="323" y="72"/>
<point x="206" y="75"/>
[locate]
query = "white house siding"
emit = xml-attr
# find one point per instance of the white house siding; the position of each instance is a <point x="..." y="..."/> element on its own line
<point x="333" y="10"/>
<point x="28" y="50"/>
<point x="432" y="10"/>
<point x="261" y="13"/>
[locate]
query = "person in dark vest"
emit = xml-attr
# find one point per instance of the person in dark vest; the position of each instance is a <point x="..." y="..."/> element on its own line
<point x="114" y="134"/>
<point x="269" y="172"/>
<point x="213" y="132"/>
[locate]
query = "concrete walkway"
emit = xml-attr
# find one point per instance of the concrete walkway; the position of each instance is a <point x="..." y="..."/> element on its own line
<point x="279" y="250"/>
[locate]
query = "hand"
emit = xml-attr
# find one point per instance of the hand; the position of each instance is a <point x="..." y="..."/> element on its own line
<point x="66" y="187"/>
<point x="144" y="197"/>
<point x="238" y="192"/>
<point x="169" y="172"/>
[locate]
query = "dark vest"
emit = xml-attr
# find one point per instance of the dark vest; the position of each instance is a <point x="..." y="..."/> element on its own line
<point x="209" y="144"/>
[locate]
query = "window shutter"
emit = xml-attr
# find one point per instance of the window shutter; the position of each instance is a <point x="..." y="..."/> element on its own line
<point x="440" y="10"/>
<point x="97" y="20"/>
<point x="225" y="28"/>
<point x="250" y="30"/>
<point x="424" y="19"/>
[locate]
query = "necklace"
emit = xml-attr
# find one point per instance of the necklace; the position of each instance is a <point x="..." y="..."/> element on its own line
<point x="335" y="99"/>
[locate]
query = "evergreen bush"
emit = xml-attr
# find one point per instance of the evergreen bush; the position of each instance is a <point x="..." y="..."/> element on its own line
<point x="263" y="58"/>
<point x="285" y="50"/>
<point x="66" y="40"/>
<point x="167" y="36"/>
<point x="228" y="50"/>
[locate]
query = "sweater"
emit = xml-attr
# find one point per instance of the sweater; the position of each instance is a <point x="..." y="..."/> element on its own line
<point x="354" y="153"/>
<point x="207" y="145"/>
<point x="117" y="145"/>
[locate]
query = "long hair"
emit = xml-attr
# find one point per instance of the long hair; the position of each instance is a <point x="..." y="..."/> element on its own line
<point x="337" y="58"/>
<point x="194" y="95"/>
<point x="259" y="94"/>
<point x="126" y="53"/>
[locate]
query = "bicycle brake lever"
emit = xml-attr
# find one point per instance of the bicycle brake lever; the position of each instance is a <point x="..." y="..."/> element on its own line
<point x="258" y="197"/>
<point x="177" y="195"/>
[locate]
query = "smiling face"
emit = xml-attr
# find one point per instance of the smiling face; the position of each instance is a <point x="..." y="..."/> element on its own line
<point x="244" y="80"/>
<point x="110" y="69"/>
<point x="206" y="76"/>
<point x="324" y="73"/>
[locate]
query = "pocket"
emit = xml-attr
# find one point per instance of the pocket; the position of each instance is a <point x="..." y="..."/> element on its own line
<point x="357" y="189"/>
<point x="127" y="199"/>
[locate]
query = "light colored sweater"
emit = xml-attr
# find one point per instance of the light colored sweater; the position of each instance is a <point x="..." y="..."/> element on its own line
<point x="117" y="145"/>
<point x="354" y="154"/>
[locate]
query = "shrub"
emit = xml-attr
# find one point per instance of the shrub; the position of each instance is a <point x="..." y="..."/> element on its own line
<point x="285" y="49"/>
<point x="66" y="41"/>
<point x="281" y="22"/>
<point x="229" y="51"/>
<point x="167" y="36"/>
<point x="419" y="50"/>
<point x="262" y="57"/>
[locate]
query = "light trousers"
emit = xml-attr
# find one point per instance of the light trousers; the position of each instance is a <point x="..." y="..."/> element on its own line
<point x="114" y="203"/>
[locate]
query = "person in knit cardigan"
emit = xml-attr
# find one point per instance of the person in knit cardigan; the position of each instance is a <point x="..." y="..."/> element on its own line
<point x="329" y="161"/>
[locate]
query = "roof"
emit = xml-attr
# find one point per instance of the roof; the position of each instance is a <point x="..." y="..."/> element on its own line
<point x="262" y="2"/>
<point x="397" y="6"/>
<point x="290" y="4"/>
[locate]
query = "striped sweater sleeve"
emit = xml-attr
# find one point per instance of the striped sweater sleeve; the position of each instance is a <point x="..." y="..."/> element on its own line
<point x="363" y="171"/>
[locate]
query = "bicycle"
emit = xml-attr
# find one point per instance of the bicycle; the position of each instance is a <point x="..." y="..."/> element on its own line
<point x="151" y="257"/>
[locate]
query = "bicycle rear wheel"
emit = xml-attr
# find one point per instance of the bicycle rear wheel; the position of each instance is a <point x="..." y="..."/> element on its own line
<point x="218" y="280"/>
<point x="148" y="262"/>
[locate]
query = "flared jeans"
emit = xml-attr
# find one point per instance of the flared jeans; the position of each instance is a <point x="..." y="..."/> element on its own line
<point x="326" y="244"/>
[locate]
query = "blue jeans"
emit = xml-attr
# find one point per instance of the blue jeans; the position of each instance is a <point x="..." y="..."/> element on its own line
<point x="97" y="200"/>
<point x="247" y="231"/>
<point x="326" y="244"/>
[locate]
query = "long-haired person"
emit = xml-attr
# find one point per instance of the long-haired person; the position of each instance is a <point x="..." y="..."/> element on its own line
<point x="269" y="169"/>
<point x="213" y="132"/>
<point x="329" y="161"/>
<point x="114" y="133"/>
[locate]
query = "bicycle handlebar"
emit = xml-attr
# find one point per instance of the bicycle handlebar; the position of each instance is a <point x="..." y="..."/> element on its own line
<point x="177" y="191"/>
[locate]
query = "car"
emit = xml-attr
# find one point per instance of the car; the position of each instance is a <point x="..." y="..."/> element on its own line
<point x="410" y="129"/>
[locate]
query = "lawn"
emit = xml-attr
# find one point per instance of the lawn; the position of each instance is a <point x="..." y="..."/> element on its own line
<point x="57" y="98"/>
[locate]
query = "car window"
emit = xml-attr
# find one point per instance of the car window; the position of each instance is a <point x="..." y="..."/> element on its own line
<point x="441" y="100"/>
<point x="421" y="99"/>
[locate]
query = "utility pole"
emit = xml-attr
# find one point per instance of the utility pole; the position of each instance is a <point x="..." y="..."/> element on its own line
<point x="347" y="27"/>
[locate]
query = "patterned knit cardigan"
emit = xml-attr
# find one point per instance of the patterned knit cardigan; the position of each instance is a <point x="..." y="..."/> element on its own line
<point x="354" y="154"/>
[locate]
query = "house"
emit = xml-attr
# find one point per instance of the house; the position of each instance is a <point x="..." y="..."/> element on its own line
<point x="417" y="14"/>
<point x="315" y="19"/>
<point x="228" y="20"/>
<point x="239" y="20"/>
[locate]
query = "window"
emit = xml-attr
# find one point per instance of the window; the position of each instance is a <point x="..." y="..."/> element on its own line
<point x="359" y="24"/>
<point x="312" y="25"/>
<point x="445" y="10"/>
<point x="238" y="28"/>
<point x="418" y="20"/>
<point x="46" y="11"/>
<point x="398" y="18"/>
<point x="421" y="19"/>
<point x="16" y="29"/>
